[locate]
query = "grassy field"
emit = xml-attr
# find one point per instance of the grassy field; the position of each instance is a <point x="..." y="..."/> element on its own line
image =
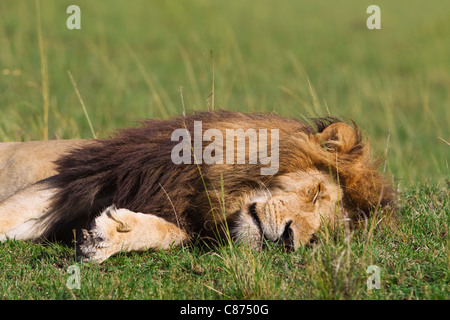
<point x="129" y="61"/>
<point x="411" y="255"/>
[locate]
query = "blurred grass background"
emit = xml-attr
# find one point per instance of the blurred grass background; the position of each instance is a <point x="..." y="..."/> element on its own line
<point x="130" y="59"/>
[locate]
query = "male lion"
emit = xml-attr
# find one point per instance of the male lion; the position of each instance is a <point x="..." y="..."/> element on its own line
<point x="126" y="193"/>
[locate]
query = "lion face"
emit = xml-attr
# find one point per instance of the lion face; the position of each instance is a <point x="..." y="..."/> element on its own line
<point x="292" y="213"/>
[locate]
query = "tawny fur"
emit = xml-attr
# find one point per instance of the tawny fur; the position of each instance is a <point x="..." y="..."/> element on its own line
<point x="24" y="163"/>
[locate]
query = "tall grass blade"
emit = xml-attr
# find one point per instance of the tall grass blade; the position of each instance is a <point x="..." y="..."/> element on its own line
<point x="82" y="104"/>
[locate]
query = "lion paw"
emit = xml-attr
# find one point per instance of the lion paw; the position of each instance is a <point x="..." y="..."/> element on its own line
<point x="90" y="244"/>
<point x="121" y="230"/>
<point x="99" y="242"/>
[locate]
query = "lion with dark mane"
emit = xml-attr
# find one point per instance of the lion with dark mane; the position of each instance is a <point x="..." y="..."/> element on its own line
<point x="125" y="193"/>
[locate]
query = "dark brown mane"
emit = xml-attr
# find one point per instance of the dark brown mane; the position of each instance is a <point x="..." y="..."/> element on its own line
<point x="134" y="170"/>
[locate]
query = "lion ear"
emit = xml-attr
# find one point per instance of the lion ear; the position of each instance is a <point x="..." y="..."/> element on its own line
<point x="339" y="137"/>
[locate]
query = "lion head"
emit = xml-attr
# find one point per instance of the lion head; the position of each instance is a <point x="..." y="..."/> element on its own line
<point x="326" y="175"/>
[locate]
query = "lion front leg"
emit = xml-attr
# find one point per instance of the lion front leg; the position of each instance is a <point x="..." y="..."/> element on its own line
<point x="121" y="230"/>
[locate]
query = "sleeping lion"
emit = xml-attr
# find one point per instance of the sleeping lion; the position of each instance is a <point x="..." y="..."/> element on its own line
<point x="127" y="193"/>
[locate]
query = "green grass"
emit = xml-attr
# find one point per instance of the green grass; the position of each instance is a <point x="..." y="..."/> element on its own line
<point x="128" y="63"/>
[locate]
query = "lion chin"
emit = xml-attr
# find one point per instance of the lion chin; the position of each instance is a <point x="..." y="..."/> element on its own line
<point x="127" y="193"/>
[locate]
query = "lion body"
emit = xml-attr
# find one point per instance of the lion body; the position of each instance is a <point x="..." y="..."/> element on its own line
<point x="325" y="170"/>
<point x="24" y="163"/>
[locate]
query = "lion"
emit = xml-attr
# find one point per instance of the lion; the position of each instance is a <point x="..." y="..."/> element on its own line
<point x="125" y="193"/>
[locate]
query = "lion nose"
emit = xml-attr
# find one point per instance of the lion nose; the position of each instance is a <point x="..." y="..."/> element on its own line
<point x="292" y="237"/>
<point x="287" y="237"/>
